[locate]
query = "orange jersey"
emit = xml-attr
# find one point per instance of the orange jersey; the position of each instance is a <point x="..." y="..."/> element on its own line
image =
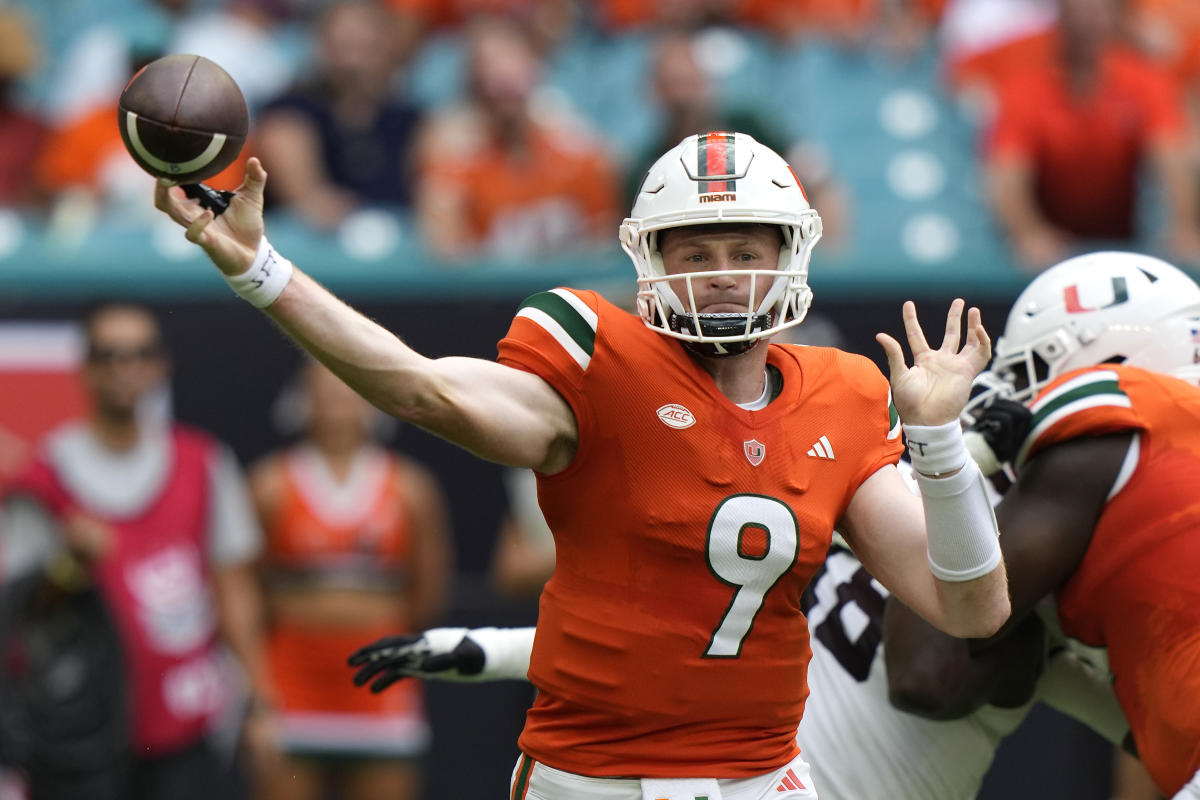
<point x="670" y="640"/>
<point x="331" y="528"/>
<point x="1137" y="590"/>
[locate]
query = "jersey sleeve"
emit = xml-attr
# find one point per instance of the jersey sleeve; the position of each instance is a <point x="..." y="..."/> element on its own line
<point x="554" y="336"/>
<point x="1087" y="402"/>
<point x="878" y="423"/>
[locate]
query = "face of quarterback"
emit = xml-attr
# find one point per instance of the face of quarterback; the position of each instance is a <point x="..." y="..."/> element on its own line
<point x="711" y="248"/>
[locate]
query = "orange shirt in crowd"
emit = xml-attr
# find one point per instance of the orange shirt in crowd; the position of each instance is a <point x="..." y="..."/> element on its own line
<point x="1176" y="30"/>
<point x="834" y="16"/>
<point x="78" y="152"/>
<point x="1085" y="152"/>
<point x="993" y="65"/>
<point x="559" y="191"/>
<point x="450" y="13"/>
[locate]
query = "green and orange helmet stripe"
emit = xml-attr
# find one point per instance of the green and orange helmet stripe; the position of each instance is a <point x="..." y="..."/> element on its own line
<point x="715" y="158"/>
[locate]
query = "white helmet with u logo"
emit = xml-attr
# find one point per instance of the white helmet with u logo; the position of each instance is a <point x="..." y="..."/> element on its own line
<point x="721" y="177"/>
<point x="1101" y="308"/>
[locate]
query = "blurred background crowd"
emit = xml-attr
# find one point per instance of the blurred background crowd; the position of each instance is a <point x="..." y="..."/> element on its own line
<point x="434" y="160"/>
<point x="926" y="131"/>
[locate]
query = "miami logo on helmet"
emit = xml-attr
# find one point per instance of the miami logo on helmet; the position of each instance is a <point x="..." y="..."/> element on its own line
<point x="1071" y="296"/>
<point x="716" y="165"/>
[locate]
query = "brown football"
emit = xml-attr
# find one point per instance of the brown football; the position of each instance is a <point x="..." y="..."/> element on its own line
<point x="183" y="118"/>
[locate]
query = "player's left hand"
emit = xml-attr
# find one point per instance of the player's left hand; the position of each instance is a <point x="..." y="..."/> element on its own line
<point x="935" y="388"/>
<point x="442" y="653"/>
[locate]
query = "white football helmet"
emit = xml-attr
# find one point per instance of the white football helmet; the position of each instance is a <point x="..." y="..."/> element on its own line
<point x="1101" y="308"/>
<point x="713" y="178"/>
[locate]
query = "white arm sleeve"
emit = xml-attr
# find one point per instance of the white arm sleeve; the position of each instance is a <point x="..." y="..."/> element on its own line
<point x="28" y="538"/>
<point x="959" y="522"/>
<point x="234" y="535"/>
<point x="506" y="652"/>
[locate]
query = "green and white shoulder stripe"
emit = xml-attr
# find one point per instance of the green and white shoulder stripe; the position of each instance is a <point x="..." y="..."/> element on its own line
<point x="894" y="426"/>
<point x="1092" y="389"/>
<point x="565" y="317"/>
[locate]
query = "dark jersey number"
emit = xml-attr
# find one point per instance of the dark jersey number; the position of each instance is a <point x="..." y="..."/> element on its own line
<point x="855" y="655"/>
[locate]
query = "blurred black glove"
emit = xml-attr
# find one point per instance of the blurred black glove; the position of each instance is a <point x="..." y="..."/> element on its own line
<point x="443" y="653"/>
<point x="1004" y="425"/>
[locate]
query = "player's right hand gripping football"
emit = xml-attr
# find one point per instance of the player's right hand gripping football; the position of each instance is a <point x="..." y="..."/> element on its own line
<point x="443" y="653"/>
<point x="231" y="239"/>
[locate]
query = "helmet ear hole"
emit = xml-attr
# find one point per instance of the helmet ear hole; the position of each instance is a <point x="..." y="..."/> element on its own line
<point x="1041" y="368"/>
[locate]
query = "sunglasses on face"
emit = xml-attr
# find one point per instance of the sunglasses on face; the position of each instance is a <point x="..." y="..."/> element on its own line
<point x="107" y="356"/>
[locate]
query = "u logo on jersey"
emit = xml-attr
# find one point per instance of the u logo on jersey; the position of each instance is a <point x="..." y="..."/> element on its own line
<point x="755" y="451"/>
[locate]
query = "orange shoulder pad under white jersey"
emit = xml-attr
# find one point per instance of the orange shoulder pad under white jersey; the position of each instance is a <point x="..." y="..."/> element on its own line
<point x="1091" y="401"/>
<point x="670" y="640"/>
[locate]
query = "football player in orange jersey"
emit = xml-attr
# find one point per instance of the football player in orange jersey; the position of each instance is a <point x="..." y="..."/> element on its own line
<point x="691" y="473"/>
<point x="1104" y="512"/>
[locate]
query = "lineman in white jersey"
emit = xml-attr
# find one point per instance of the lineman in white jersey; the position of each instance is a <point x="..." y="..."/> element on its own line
<point x="848" y="721"/>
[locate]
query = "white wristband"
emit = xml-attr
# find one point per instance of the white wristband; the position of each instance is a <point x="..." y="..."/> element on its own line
<point x="266" y="279"/>
<point x="936" y="449"/>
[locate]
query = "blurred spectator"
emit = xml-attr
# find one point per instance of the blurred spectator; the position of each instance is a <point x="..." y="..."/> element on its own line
<point x="342" y="140"/>
<point x="620" y="16"/>
<point x="93" y="64"/>
<point x="1064" y="151"/>
<point x="1169" y="32"/>
<point x="500" y="178"/>
<point x="985" y="41"/>
<point x="244" y="37"/>
<point x="357" y="548"/>
<point x="86" y="173"/>
<point x="156" y="515"/>
<point x="688" y="103"/>
<point x="20" y="131"/>
<point x="547" y="21"/>
<point x="847" y="21"/>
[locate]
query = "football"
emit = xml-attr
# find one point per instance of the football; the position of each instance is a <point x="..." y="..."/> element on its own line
<point x="183" y="118"/>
